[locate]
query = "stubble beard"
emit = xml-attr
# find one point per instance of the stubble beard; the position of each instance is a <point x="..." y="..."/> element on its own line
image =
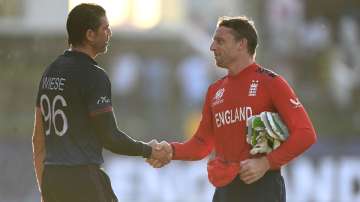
<point x="219" y="63"/>
<point x="103" y="49"/>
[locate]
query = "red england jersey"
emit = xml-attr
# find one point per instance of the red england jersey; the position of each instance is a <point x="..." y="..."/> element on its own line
<point x="233" y="99"/>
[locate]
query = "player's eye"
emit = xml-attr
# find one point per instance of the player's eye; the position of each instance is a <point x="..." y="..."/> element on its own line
<point x="220" y="41"/>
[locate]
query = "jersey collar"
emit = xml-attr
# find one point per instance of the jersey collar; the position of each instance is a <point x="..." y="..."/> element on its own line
<point x="80" y="55"/>
<point x="247" y="69"/>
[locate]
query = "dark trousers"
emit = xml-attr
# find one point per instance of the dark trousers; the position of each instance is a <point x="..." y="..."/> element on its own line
<point x="85" y="183"/>
<point x="269" y="188"/>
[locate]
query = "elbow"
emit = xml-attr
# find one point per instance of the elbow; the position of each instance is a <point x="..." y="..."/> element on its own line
<point x="108" y="145"/>
<point x="112" y="148"/>
<point x="107" y="142"/>
<point x="312" y="137"/>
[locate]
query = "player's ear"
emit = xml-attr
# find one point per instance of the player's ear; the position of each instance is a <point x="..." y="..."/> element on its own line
<point x="90" y="35"/>
<point x="242" y="44"/>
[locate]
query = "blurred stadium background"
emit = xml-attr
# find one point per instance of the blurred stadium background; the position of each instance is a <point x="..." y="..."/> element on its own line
<point x="160" y="65"/>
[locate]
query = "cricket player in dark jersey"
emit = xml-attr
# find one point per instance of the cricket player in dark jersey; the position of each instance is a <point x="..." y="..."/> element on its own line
<point x="247" y="90"/>
<point x="74" y="118"/>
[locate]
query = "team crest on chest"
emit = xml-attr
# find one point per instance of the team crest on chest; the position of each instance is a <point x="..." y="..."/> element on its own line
<point x="253" y="87"/>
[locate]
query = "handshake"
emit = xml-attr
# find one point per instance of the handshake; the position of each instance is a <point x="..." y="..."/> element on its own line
<point x="161" y="153"/>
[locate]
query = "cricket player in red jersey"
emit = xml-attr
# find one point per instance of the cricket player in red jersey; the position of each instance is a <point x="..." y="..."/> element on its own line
<point x="247" y="90"/>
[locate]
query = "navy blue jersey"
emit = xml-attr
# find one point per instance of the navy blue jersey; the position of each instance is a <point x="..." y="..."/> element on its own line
<point x="71" y="89"/>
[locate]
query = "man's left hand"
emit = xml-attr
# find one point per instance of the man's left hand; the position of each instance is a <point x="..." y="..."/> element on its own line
<point x="252" y="170"/>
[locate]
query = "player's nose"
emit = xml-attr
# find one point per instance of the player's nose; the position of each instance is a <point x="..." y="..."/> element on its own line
<point x="212" y="46"/>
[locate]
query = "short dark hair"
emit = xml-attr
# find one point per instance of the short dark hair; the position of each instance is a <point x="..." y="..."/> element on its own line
<point x="81" y="18"/>
<point x="242" y="27"/>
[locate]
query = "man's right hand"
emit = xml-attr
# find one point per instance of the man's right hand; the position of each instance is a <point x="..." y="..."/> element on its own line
<point x="161" y="153"/>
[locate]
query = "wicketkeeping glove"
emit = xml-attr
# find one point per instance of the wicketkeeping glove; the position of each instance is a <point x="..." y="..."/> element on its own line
<point x="265" y="132"/>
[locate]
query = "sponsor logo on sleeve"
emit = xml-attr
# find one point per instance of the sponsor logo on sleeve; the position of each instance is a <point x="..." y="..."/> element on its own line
<point x="103" y="100"/>
<point x="295" y="103"/>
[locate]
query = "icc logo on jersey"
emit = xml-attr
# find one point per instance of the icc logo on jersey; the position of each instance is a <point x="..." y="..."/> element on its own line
<point x="218" y="95"/>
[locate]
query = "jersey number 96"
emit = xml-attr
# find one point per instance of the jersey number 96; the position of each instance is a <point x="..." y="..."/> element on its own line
<point x="52" y="113"/>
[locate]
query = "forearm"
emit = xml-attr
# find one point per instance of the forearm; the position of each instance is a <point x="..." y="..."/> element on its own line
<point x="120" y="143"/>
<point x="302" y="133"/>
<point x="297" y="143"/>
<point x="192" y="150"/>
<point x="115" y="140"/>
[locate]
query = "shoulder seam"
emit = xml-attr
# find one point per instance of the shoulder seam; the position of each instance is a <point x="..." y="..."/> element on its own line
<point x="267" y="72"/>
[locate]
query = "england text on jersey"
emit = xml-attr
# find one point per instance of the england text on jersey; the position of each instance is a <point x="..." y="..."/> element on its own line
<point x="231" y="116"/>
